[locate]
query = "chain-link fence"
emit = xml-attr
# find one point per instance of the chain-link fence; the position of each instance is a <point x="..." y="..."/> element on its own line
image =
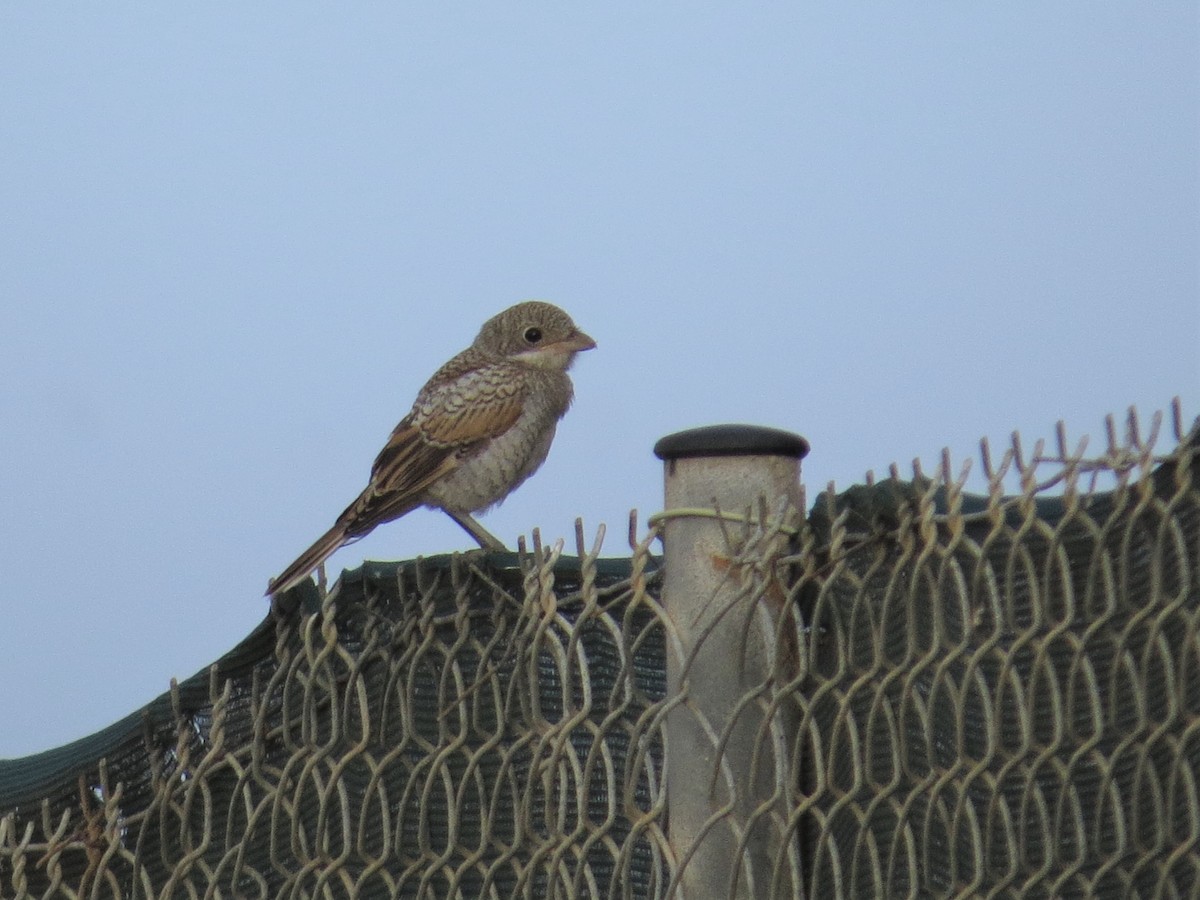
<point x="948" y="696"/>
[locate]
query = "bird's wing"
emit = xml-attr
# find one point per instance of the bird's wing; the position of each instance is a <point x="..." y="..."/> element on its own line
<point x="449" y="419"/>
<point x="478" y="405"/>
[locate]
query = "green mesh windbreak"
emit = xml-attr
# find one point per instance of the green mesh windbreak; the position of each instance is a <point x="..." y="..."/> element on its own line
<point x="982" y="696"/>
<point x="1006" y="702"/>
<point x="454" y="728"/>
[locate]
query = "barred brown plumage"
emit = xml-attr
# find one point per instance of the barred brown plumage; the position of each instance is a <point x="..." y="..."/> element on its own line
<point x="479" y="427"/>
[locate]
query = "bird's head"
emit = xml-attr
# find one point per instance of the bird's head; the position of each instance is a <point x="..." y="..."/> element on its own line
<point x="535" y="333"/>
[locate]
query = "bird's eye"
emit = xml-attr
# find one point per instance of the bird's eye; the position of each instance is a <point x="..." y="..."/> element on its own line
<point x="533" y="335"/>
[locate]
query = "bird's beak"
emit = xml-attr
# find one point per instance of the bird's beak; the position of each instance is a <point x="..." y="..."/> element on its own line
<point x="578" y="342"/>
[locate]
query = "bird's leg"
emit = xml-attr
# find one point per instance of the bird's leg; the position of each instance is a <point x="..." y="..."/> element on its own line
<point x="486" y="539"/>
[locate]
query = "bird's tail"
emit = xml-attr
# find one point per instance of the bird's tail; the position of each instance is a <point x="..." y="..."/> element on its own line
<point x="320" y="551"/>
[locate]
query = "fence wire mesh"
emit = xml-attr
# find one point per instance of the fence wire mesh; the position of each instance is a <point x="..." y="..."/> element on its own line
<point x="980" y="696"/>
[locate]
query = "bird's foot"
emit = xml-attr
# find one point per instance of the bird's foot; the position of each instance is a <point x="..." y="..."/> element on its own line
<point x="486" y="539"/>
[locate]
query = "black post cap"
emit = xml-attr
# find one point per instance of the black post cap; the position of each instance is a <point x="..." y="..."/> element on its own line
<point x="731" y="440"/>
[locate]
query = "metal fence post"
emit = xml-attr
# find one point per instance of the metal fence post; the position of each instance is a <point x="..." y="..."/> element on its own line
<point x="713" y="792"/>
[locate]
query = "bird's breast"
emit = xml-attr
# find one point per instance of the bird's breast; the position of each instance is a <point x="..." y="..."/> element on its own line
<point x="490" y="471"/>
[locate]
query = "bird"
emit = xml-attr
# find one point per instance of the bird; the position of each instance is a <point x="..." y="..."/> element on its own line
<point x="479" y="427"/>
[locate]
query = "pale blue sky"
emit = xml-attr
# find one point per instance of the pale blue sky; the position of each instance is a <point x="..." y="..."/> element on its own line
<point x="238" y="238"/>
